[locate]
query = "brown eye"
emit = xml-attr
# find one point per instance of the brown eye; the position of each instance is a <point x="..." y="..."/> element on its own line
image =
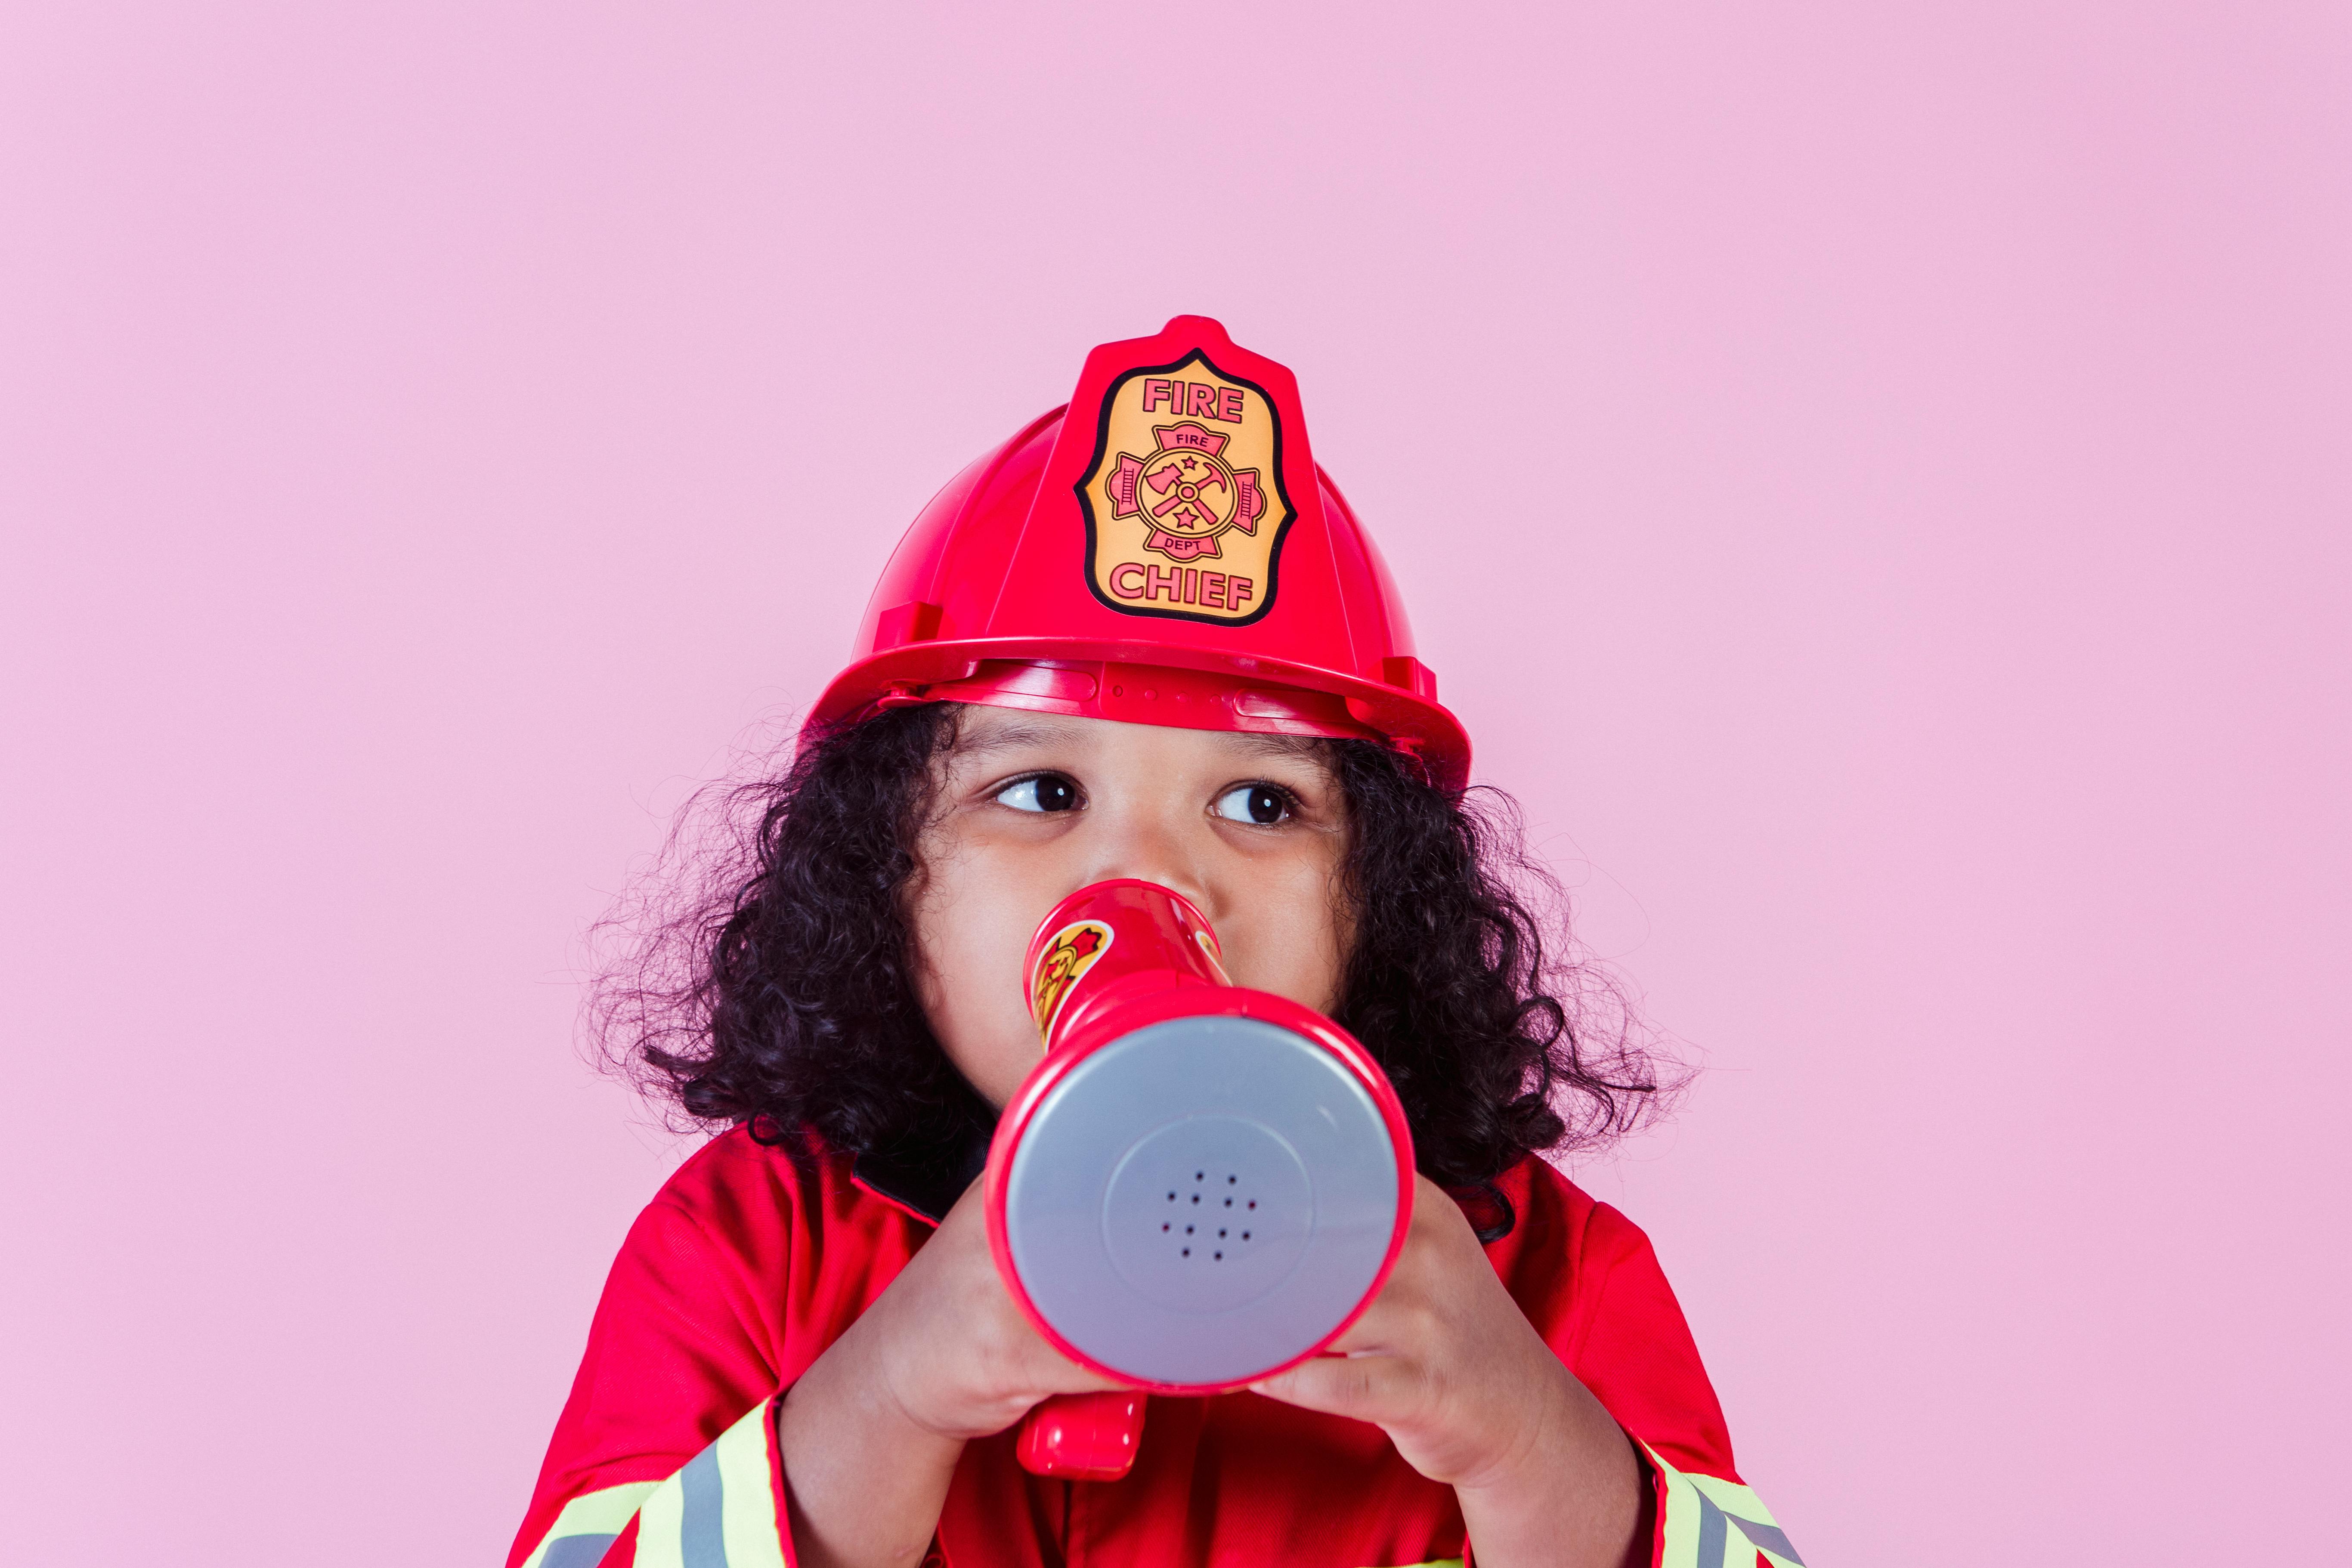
<point x="1042" y="792"/>
<point x="1260" y="805"/>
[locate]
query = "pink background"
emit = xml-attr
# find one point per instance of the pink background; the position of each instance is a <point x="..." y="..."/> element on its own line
<point x="1872" y="479"/>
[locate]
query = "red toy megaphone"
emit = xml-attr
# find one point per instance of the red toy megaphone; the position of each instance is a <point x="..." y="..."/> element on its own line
<point x="1199" y="1186"/>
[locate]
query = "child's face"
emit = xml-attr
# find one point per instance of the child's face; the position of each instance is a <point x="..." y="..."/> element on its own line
<point x="1030" y="808"/>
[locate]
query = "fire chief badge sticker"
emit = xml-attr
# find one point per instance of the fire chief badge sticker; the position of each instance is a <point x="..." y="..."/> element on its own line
<point x="1184" y="504"/>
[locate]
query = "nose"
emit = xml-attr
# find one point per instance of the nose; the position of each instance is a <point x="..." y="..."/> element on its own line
<point x="1155" y="843"/>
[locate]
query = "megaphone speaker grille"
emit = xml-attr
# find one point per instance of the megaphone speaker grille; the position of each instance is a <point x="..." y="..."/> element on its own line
<point x="1208" y="1214"/>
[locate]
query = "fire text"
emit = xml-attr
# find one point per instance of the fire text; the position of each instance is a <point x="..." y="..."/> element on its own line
<point x="1191" y="399"/>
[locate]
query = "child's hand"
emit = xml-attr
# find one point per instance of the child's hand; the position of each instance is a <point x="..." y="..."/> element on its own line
<point x="1443" y="1362"/>
<point x="1449" y="1367"/>
<point x="949" y="1345"/>
<point x="872" y="1430"/>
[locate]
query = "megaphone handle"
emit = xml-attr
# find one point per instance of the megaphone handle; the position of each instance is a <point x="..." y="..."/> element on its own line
<point x="1083" y="1436"/>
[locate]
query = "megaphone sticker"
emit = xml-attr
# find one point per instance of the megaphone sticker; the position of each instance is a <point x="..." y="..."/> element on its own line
<point x="1069" y="953"/>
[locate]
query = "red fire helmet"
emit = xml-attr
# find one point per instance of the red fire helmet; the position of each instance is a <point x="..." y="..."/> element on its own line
<point x="1162" y="550"/>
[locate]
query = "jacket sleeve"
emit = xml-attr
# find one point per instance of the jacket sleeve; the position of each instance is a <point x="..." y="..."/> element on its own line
<point x="665" y="1454"/>
<point x="1635" y="1354"/>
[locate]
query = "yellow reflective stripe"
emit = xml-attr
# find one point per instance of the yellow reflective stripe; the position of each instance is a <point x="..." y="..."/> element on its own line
<point x="1704" y="1516"/>
<point x="604" y="1512"/>
<point x="754" y="1534"/>
<point x="719" y="1510"/>
<point x="661" y="1523"/>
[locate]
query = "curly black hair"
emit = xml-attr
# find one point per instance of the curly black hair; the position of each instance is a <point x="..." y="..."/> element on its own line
<point x="782" y="995"/>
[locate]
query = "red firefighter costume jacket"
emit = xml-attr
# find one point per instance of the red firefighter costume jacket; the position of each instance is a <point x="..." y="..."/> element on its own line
<point x="749" y="1263"/>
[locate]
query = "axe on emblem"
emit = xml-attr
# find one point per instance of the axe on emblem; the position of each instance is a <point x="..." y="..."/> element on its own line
<point x="1168" y="481"/>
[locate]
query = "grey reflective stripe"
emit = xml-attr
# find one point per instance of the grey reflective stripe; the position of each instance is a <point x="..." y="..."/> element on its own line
<point x="1712" y="1534"/>
<point x="702" y="1534"/>
<point x="1714" y="1537"/>
<point x="576" y="1551"/>
<point x="1768" y="1537"/>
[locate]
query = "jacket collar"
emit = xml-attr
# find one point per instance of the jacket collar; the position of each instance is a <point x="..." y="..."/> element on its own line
<point x="925" y="1183"/>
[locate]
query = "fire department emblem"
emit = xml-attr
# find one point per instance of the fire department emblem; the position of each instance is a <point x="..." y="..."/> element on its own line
<point x="1073" y="950"/>
<point x="1184" y="505"/>
<point x="1186" y="492"/>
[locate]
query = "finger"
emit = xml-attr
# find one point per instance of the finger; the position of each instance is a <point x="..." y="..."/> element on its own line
<point x="1067" y="1376"/>
<point x="1376" y="1388"/>
<point x="1405" y="1320"/>
<point x="1383" y="1330"/>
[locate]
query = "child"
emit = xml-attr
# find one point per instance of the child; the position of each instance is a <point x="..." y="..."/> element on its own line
<point x="1145" y="637"/>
